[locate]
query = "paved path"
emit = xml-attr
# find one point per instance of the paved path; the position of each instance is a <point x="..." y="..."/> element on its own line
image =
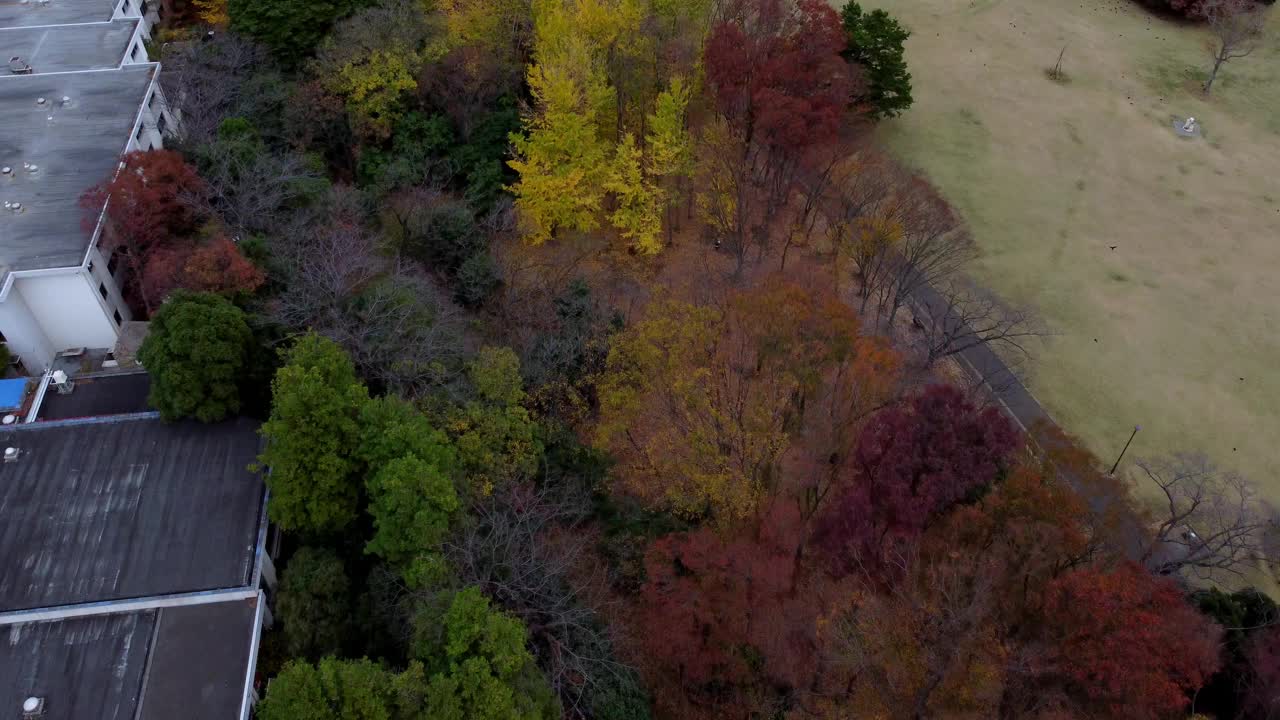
<point x="1014" y="397"/>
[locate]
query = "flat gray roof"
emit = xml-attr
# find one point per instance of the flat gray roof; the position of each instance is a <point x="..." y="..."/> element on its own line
<point x="126" y="507"/>
<point x="66" y="48"/>
<point x="175" y="662"/>
<point x="14" y="13"/>
<point x="73" y="146"/>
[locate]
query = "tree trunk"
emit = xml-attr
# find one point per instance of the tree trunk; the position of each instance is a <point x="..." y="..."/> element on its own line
<point x="1217" y="64"/>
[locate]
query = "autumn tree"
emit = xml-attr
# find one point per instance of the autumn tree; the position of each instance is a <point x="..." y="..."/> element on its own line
<point x="699" y="405"/>
<point x="216" y="266"/>
<point x="875" y="41"/>
<point x="311" y="437"/>
<point x="776" y="72"/>
<point x="723" y="623"/>
<point x="912" y="463"/>
<point x="637" y="211"/>
<point x="726" y="197"/>
<point x="372" y="60"/>
<point x="314" y="603"/>
<point x="212" y="12"/>
<point x="1120" y="643"/>
<point x="670" y="147"/>
<point x="195" y="351"/>
<point x="150" y="202"/>
<point x="1238" y="27"/>
<point x="560" y="156"/>
<point x="499" y="28"/>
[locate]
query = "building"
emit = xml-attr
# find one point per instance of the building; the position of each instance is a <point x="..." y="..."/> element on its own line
<point x="135" y="575"/>
<point x="78" y="92"/>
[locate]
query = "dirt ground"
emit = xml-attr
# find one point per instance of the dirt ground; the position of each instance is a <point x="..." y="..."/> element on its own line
<point x="1152" y="258"/>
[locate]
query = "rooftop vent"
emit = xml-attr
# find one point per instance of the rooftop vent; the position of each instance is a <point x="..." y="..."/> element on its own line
<point x="33" y="707"/>
<point x="41" y="101"/>
<point x="30" y="167"/>
<point x="9" y="419"/>
<point x="62" y="383"/>
<point x="13" y="206"/>
<point x="11" y="454"/>
<point x="18" y="66"/>
<point x="6" y="170"/>
<point x="66" y="100"/>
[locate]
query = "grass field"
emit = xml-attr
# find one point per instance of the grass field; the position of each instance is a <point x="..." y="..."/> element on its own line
<point x="1176" y="329"/>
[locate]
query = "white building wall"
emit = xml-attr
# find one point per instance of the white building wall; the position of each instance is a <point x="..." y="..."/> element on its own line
<point x="24" y="335"/>
<point x="70" y="309"/>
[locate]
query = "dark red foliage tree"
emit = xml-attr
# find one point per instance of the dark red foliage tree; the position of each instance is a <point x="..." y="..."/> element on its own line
<point x="1122" y="643"/>
<point x="217" y="266"/>
<point x="911" y="464"/>
<point x="776" y="70"/>
<point x="724" y="620"/>
<point x="149" y="204"/>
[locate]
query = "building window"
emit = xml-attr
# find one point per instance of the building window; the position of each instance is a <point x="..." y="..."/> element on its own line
<point x="134" y="53"/>
<point x="161" y="124"/>
<point x="102" y="290"/>
<point x="90" y="266"/>
<point x="139" y="134"/>
<point x="113" y="262"/>
<point x="127" y="7"/>
<point x="143" y="6"/>
<point x="116" y="316"/>
<point x="3" y="339"/>
<point x="151" y="102"/>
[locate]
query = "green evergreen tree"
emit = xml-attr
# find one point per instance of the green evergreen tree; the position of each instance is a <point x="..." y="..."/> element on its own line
<point x="875" y="41"/>
<point x="330" y="690"/>
<point x="479" y="665"/>
<point x="312" y="438"/>
<point x="196" y="350"/>
<point x="291" y="28"/>
<point x="314" y="604"/>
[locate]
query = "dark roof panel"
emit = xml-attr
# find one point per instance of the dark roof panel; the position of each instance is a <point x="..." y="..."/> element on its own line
<point x="116" y="394"/>
<point x="200" y="662"/>
<point x="187" y="662"/>
<point x="84" y="668"/>
<point x="125" y="508"/>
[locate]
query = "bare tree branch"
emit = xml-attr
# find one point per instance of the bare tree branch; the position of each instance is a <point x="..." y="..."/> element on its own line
<point x="517" y="549"/>
<point x="1238" y="27"/>
<point x="1211" y="522"/>
<point x="954" y="319"/>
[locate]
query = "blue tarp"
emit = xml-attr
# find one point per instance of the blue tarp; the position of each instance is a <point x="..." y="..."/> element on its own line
<point x="12" y="393"/>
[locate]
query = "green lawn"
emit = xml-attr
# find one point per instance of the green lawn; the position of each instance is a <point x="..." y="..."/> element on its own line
<point x="1176" y="329"/>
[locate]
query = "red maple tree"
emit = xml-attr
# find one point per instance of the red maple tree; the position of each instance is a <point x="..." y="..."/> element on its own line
<point x="149" y="204"/>
<point x="776" y="70"/>
<point x="724" y="621"/>
<point x="1123" y="643"/>
<point x="216" y="266"/>
<point x="912" y="463"/>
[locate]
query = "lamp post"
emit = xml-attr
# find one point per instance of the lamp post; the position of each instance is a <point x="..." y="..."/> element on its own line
<point x="1136" y="428"/>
